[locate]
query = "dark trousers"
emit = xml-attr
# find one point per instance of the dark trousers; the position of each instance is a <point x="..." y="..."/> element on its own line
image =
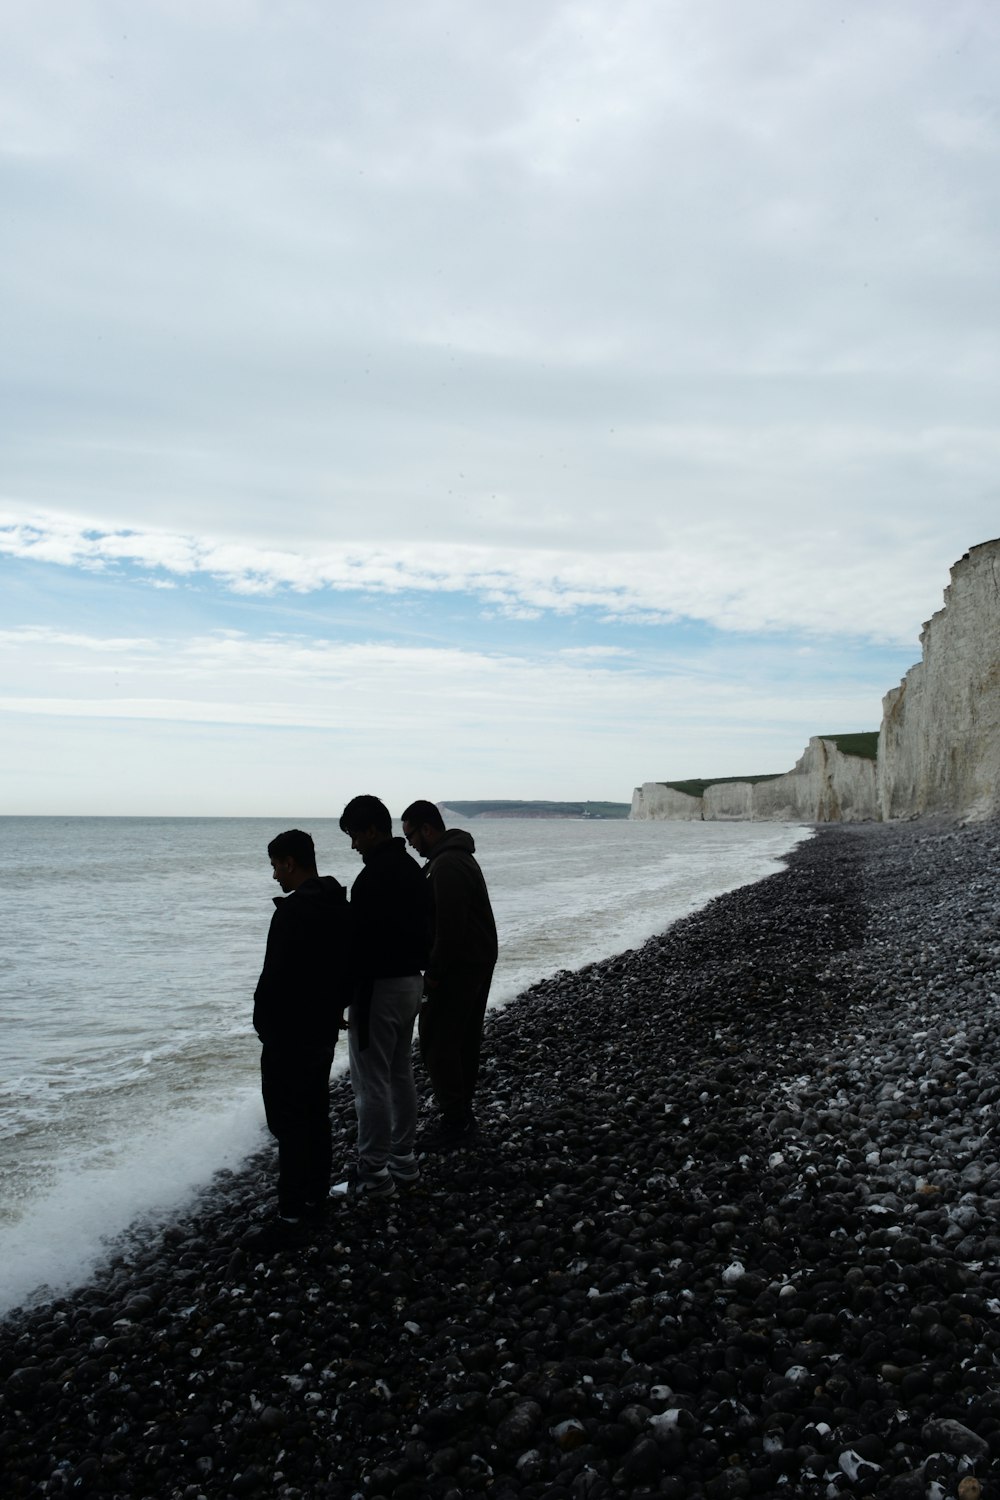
<point x="451" y="1029"/>
<point x="295" y="1083"/>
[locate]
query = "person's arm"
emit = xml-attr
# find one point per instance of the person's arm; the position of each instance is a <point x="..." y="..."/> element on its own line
<point x="450" y="901"/>
<point x="341" y="949"/>
<point x="359" y="933"/>
<point x="267" y="995"/>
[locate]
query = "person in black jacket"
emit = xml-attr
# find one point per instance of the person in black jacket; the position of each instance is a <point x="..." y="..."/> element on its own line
<point x="390" y="931"/>
<point x="297" y="1007"/>
<point x="459" y="970"/>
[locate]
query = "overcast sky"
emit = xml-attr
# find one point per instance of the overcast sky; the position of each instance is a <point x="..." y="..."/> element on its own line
<point x="453" y="399"/>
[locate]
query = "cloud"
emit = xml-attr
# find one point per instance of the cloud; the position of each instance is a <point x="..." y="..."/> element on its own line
<point x="737" y="582"/>
<point x="593" y="653"/>
<point x="227" y="723"/>
<point x="629" y="316"/>
<point x="364" y="688"/>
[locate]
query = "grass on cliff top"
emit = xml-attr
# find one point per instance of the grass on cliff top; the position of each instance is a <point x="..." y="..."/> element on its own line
<point x="865" y="745"/>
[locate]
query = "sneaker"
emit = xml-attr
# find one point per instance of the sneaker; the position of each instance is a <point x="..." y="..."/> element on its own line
<point x="448" y="1137"/>
<point x="283" y="1233"/>
<point x="380" y="1185"/>
<point x="404" y="1169"/>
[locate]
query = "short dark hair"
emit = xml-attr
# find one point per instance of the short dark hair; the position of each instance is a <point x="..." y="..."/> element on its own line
<point x="366" y="812"/>
<point x="294" y="844"/>
<point x="421" y="812"/>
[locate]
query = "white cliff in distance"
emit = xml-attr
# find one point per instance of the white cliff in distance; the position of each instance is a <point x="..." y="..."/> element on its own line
<point x="824" y="786"/>
<point x="939" y="744"/>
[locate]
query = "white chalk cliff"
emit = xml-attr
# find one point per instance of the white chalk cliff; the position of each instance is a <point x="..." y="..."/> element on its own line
<point x="939" y="748"/>
<point x="939" y="744"/>
<point x="824" y="786"/>
<point x="656" y="800"/>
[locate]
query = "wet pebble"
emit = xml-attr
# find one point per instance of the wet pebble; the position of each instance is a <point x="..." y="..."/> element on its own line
<point x="728" y="1230"/>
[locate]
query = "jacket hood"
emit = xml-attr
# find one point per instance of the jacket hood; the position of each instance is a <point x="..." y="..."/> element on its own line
<point x="456" y="840"/>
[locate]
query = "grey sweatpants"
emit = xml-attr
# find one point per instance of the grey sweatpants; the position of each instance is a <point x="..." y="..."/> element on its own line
<point x="385" y="1097"/>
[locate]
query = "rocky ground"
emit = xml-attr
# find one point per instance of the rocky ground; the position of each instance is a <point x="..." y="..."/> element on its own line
<point x="730" y="1229"/>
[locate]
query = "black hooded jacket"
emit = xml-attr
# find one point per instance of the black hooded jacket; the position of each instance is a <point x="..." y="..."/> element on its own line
<point x="390" y="925"/>
<point x="390" y="915"/>
<point x="465" y="933"/>
<point x="303" y="984"/>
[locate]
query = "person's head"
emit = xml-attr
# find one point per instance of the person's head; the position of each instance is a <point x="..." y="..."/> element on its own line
<point x="423" y="825"/>
<point x="293" y="858"/>
<point x="368" y="822"/>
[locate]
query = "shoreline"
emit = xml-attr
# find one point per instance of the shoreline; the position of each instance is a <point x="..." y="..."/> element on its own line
<point x="730" y="1229"/>
<point x="104" y="1127"/>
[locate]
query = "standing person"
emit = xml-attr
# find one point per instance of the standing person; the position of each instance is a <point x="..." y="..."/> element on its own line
<point x="460" y="970"/>
<point x="297" y="1006"/>
<point x="390" y="930"/>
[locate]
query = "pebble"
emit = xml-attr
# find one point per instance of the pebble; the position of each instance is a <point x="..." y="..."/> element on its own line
<point x="729" y="1229"/>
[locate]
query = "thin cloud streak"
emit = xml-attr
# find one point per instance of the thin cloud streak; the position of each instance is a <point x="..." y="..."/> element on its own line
<point x="735" y="584"/>
<point x="308" y="683"/>
<point x="237" y="724"/>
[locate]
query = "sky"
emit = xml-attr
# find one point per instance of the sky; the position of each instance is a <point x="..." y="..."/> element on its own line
<point x="446" y="399"/>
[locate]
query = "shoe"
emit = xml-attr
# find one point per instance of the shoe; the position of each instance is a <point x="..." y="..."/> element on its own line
<point x="404" y="1170"/>
<point x="380" y="1185"/>
<point x="283" y="1233"/>
<point x="448" y="1137"/>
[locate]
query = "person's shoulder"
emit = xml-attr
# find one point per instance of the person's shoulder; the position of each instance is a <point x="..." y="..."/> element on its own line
<point x="409" y="869"/>
<point x="399" y="859"/>
<point x="283" y="911"/>
<point x="313" y="898"/>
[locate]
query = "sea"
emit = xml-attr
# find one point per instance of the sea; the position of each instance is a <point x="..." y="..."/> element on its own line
<point x="130" y="951"/>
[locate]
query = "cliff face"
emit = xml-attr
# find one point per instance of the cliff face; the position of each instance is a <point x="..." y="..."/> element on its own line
<point x="730" y="801"/>
<point x="824" y="786"/>
<point x="654" y="800"/>
<point x="940" y="745"/>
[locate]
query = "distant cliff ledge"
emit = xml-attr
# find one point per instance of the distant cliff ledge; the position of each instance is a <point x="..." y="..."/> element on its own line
<point x="938" y="750"/>
<point x="512" y="809"/>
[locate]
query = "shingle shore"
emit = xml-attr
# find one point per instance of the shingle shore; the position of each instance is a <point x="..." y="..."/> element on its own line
<point x="730" y="1229"/>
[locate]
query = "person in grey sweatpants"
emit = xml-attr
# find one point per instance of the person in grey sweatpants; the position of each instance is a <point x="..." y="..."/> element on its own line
<point x="385" y="1096"/>
<point x="389" y="942"/>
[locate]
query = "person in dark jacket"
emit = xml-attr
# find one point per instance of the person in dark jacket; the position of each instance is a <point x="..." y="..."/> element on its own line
<point x="390" y="931"/>
<point x="297" y="1007"/>
<point x="460" y="968"/>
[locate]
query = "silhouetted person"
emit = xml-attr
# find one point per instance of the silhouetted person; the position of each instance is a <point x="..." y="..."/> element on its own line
<point x="460" y="968"/>
<point x="389" y="912"/>
<point x="297" y="1006"/>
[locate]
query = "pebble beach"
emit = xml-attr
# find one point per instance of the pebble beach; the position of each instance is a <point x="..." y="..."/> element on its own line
<point x="731" y="1227"/>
